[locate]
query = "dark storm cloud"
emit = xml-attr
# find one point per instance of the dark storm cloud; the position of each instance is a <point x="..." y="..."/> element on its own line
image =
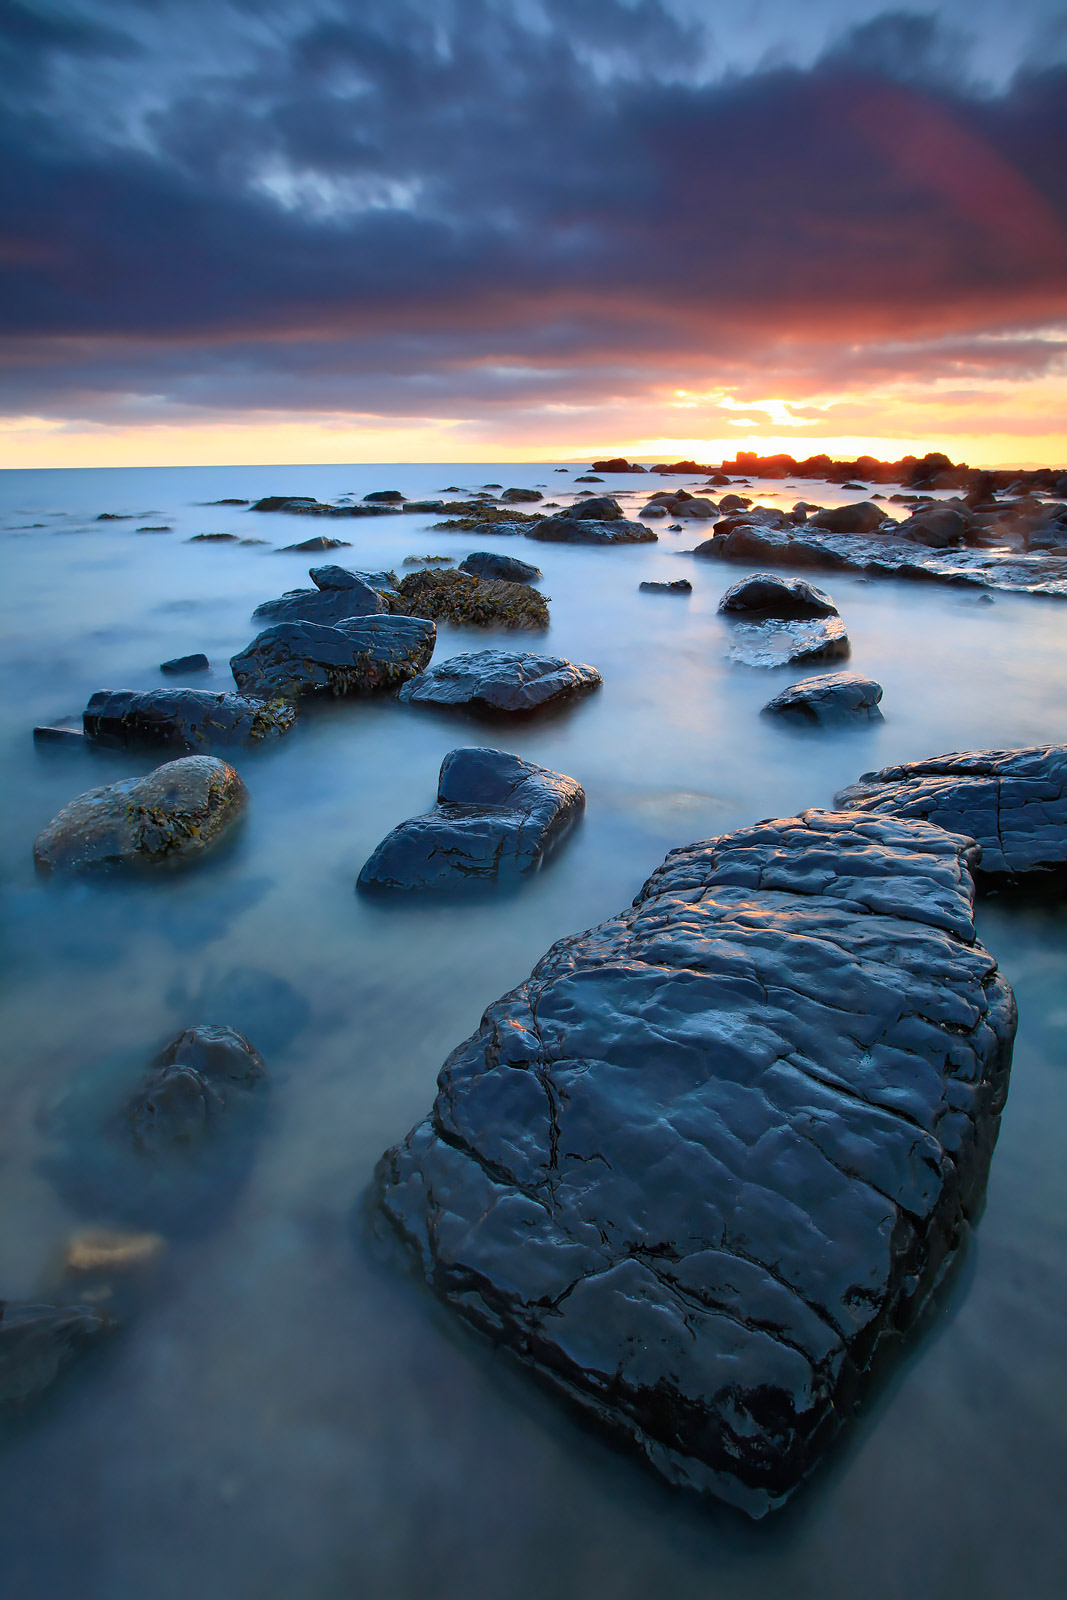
<point x="411" y="208"/>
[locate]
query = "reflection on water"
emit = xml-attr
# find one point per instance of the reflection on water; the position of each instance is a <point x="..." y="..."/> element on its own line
<point x="284" y="1417"/>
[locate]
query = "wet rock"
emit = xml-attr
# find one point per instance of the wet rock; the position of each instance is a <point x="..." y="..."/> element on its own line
<point x="326" y="603"/>
<point x="863" y="516"/>
<point x="115" y="516"/>
<point x="228" y="502"/>
<point x="589" y="477"/>
<point x="501" y="680"/>
<point x="174" y="813"/>
<point x="734" y="502"/>
<point x="319" y="542"/>
<point x="199" y="1077"/>
<point x="486" y="564"/>
<point x="596" y="508"/>
<point x="384" y="497"/>
<point x="459" y="597"/>
<point x="361" y="656"/>
<point x="194" y="663"/>
<point x="940" y="527"/>
<point x="653" y="510"/>
<point x="497" y="817"/>
<point x="767" y="595"/>
<point x="716" y="1152"/>
<point x="1013" y="802"/>
<point x="36" y="1342"/>
<point x="423" y="505"/>
<point x="187" y="719"/>
<point x="696" y="506"/>
<point x="341" y="578"/>
<point x="617" y="464"/>
<point x="45" y="734"/>
<point x="213" y="538"/>
<point x="565" y="529"/>
<point x="679" y="586"/>
<point x="783" y="644"/>
<point x="428" y="561"/>
<point x="156" y="528"/>
<point x="514" y="497"/>
<point x="307" y="506"/>
<point x="832" y="697"/>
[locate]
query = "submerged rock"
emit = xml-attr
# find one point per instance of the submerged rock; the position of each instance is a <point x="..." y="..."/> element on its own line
<point x="36" y="1342"/>
<point x="501" y="680"/>
<point x="173" y="813"/>
<point x="679" y="586"/>
<point x="199" y="1074"/>
<point x="1013" y="802"/>
<point x="496" y="818"/>
<point x="194" y="663"/>
<point x="713" y="1153"/>
<point x="486" y="564"/>
<point x="459" y="597"/>
<point x="767" y="595"/>
<point x="186" y="718"/>
<point x="361" y="656"/>
<point x="832" y="697"/>
<point x="783" y="644"/>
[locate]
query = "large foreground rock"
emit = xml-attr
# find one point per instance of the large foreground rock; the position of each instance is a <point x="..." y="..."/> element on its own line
<point x="186" y="719"/>
<point x="360" y="656"/>
<point x="1014" y="802"/>
<point x="36" y="1342"/>
<point x="501" y="680"/>
<point x="714" y="1152"/>
<point x="174" y="813"/>
<point x="497" y="817"/>
<point x="831" y="697"/>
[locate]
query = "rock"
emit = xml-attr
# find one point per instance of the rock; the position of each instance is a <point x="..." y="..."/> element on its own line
<point x="361" y="656"/>
<point x="174" y="813"/>
<point x="715" y="1153"/>
<point x="185" y="718"/>
<point x="500" y="680"/>
<point x="734" y="502"/>
<point x="696" y="506"/>
<point x="459" y="597"/>
<point x="485" y="564"/>
<point x="862" y="516"/>
<point x="229" y="502"/>
<point x="565" y="529"/>
<point x="115" y="516"/>
<point x="860" y="486"/>
<point x="193" y="663"/>
<point x="341" y="578"/>
<point x="1013" y="802"/>
<point x="157" y="528"/>
<point x="653" y="511"/>
<point x="597" y="508"/>
<point x="617" y="464"/>
<point x="304" y="505"/>
<point x="319" y="542"/>
<point x="423" y="505"/>
<point x="200" y="1074"/>
<point x="514" y="497"/>
<point x="428" y="561"/>
<point x="496" y="818"/>
<point x="940" y="527"/>
<point x="783" y="644"/>
<point x="213" y="538"/>
<point x="832" y="697"/>
<point x="767" y="595"/>
<point x="36" y="1342"/>
<point x="44" y="734"/>
<point x="327" y="603"/>
<point x="385" y="497"/>
<point x="679" y="586"/>
<point x="589" y="477"/>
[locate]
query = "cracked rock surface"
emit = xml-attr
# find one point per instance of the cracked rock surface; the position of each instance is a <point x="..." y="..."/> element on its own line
<point x="714" y="1151"/>
<point x="359" y="656"/>
<point x="831" y="697"/>
<point x="185" y="718"/>
<point x="1013" y="802"/>
<point x="496" y="818"/>
<point x="501" y="680"/>
<point x="175" y="812"/>
<point x="328" y="603"/>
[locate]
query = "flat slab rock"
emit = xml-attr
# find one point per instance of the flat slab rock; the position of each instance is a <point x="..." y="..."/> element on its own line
<point x="501" y="680"/>
<point x="783" y="644"/>
<point x="360" y="656"/>
<point x="576" y="530"/>
<point x="678" y="586"/>
<point x="187" y="719"/>
<point x="714" y="1151"/>
<point x="1013" y="802"/>
<point x="497" y="817"/>
<point x="831" y="697"/>
<point x="175" y="812"/>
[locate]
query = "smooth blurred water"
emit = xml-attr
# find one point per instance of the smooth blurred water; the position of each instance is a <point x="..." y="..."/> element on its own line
<point x="286" y="1419"/>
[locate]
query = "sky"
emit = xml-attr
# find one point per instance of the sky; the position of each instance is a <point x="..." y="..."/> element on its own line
<point x="493" y="230"/>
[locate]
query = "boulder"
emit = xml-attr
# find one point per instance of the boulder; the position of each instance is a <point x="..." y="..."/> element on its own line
<point x="514" y="497"/>
<point x="459" y="597"/>
<point x="193" y="663"/>
<point x="500" y="680"/>
<point x="734" y="502"/>
<point x="188" y="719"/>
<point x="715" y="1153"/>
<point x="328" y="578"/>
<point x="565" y="529"/>
<point x="696" y="506"/>
<point x="653" y="510"/>
<point x="679" y="586"/>
<point x="617" y="464"/>
<point x="485" y="564"/>
<point x="784" y="644"/>
<point x="496" y="818"/>
<point x="200" y="1075"/>
<point x="361" y="656"/>
<point x="385" y="497"/>
<point x="171" y="814"/>
<point x="315" y="544"/>
<point x="326" y="603"/>
<point x="596" y="508"/>
<point x="862" y="516"/>
<point x="832" y="697"/>
<point x="767" y="595"/>
<point x="938" y="526"/>
<point x="46" y="733"/>
<point x="1013" y="802"/>
<point x="36" y="1342"/>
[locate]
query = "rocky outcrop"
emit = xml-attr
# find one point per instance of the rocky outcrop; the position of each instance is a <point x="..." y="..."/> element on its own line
<point x="486" y="564"/>
<point x="567" y="529"/>
<point x="717" y="1151"/>
<point x="361" y="656"/>
<point x="36" y="1342"/>
<point x="497" y="817"/>
<point x="617" y="464"/>
<point x="501" y="680"/>
<point x="200" y="1075"/>
<point x="832" y="697"/>
<point x="459" y="597"/>
<point x="764" y="594"/>
<point x="186" y="719"/>
<point x="1013" y="802"/>
<point x="174" y="813"/>
<point x="783" y="644"/>
<point x="328" y="603"/>
<point x="307" y="506"/>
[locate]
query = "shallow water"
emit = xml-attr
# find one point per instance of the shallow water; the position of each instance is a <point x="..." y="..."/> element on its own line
<point x="285" y="1417"/>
